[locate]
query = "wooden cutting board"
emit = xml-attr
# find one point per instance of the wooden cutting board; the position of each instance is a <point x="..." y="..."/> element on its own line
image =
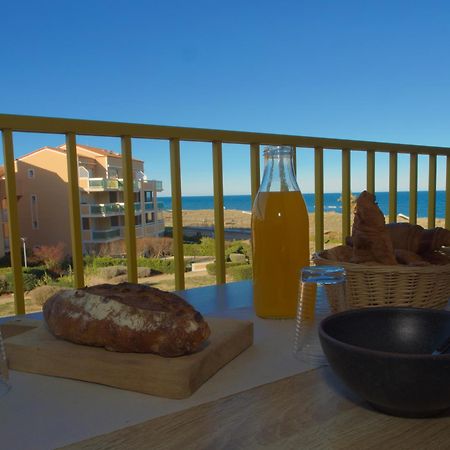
<point x="38" y="351"/>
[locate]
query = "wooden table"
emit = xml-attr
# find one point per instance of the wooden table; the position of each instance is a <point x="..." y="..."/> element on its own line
<point x="306" y="411"/>
<point x="311" y="409"/>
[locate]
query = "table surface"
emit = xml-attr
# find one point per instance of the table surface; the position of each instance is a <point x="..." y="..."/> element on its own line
<point x="263" y="398"/>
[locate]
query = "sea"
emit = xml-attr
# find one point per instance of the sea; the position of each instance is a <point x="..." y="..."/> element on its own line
<point x="332" y="202"/>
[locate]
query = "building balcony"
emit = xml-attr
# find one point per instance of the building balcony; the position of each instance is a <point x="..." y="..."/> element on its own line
<point x="106" y="235"/>
<point x="153" y="185"/>
<point x="105" y="184"/>
<point x="113" y="234"/>
<point x="114" y="209"/>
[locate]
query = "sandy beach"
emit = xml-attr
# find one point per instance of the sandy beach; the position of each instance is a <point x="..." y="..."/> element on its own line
<point x="242" y="219"/>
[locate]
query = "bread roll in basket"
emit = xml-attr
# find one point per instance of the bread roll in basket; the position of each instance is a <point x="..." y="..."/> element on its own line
<point x="391" y="265"/>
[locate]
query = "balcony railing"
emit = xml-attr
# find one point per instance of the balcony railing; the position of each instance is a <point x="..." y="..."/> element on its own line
<point x="105" y="235"/>
<point x="109" y="184"/>
<point x="112" y="209"/>
<point x="175" y="135"/>
<point x="98" y="236"/>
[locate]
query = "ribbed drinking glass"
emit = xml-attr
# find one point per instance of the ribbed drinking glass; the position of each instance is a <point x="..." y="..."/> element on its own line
<point x="320" y="287"/>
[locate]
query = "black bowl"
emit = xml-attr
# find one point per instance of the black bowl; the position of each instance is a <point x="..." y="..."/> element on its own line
<point x="384" y="355"/>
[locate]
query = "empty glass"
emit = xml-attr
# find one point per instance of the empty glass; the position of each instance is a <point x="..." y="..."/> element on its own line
<point x="4" y="373"/>
<point x="321" y="292"/>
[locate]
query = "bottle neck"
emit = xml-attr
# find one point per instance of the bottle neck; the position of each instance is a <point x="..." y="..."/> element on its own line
<point x="278" y="171"/>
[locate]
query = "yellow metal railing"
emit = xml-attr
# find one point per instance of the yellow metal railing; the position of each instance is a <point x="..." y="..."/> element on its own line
<point x="72" y="128"/>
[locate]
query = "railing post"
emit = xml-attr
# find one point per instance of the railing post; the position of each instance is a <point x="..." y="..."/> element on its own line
<point x="177" y="214"/>
<point x="432" y="191"/>
<point x="294" y="159"/>
<point x="128" y="194"/>
<point x="254" y="170"/>
<point x="346" y="194"/>
<point x="74" y="210"/>
<point x="392" y="187"/>
<point x="413" y="188"/>
<point x="13" y="221"/>
<point x="371" y="171"/>
<point x="219" y="232"/>
<point x="318" y="198"/>
<point x="447" y="193"/>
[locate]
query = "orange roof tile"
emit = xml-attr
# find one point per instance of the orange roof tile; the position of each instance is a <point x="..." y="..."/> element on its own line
<point x="56" y="149"/>
<point x="99" y="151"/>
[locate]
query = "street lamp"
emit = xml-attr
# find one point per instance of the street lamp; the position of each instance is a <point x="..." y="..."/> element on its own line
<point x="24" y="250"/>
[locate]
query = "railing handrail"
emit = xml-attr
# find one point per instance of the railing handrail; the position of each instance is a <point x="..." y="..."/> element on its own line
<point x="39" y="124"/>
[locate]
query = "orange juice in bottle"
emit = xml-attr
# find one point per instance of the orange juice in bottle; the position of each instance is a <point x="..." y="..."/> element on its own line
<point x="280" y="237"/>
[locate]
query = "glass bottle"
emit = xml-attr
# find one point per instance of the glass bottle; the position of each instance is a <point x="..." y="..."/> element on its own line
<point x="280" y="237"/>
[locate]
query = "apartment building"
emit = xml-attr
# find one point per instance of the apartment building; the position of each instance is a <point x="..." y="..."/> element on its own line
<point x="42" y="195"/>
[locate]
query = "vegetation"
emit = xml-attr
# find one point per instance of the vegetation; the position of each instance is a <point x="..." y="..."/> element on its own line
<point x="240" y="273"/>
<point x="211" y="268"/>
<point x="51" y="270"/>
<point x="207" y="247"/>
<point x="52" y="256"/>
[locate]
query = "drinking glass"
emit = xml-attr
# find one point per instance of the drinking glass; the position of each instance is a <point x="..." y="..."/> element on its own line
<point x="321" y="292"/>
<point x="4" y="373"/>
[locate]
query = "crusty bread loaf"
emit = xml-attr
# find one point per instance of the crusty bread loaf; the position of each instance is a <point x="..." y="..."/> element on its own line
<point x="126" y="318"/>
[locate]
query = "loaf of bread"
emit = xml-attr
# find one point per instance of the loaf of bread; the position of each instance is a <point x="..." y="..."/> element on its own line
<point x="126" y="317"/>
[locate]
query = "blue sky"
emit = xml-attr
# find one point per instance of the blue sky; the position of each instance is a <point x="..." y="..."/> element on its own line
<point x="345" y="69"/>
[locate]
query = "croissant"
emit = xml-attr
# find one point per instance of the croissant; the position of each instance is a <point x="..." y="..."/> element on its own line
<point x="434" y="239"/>
<point x="405" y="236"/>
<point x="341" y="253"/>
<point x="416" y="239"/>
<point x="370" y="237"/>
<point x="410" y="258"/>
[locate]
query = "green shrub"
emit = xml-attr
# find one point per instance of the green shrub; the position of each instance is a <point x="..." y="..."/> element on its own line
<point x="211" y="268"/>
<point x="65" y="281"/>
<point x="242" y="272"/>
<point x="38" y="271"/>
<point x="30" y="281"/>
<point x="4" y="286"/>
<point x="107" y="261"/>
<point x="88" y="260"/>
<point x="243" y="248"/>
<point x="206" y="247"/>
<point x="158" y="265"/>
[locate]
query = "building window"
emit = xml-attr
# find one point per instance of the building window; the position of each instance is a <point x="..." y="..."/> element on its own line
<point x="114" y="221"/>
<point x="112" y="197"/>
<point x="148" y="196"/>
<point x="30" y="173"/>
<point x="34" y="212"/>
<point x="113" y="172"/>
<point x="138" y="220"/>
<point x="86" y="223"/>
<point x="148" y="217"/>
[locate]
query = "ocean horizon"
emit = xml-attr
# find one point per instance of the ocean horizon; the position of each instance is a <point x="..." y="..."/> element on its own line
<point x="331" y="202"/>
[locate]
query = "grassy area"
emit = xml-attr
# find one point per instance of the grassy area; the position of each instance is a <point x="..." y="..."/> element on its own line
<point x="165" y="282"/>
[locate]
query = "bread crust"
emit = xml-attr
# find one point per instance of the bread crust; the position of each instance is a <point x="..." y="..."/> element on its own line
<point x="126" y="317"/>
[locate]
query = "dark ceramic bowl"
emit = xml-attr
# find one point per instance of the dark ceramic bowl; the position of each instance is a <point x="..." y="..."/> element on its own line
<point x="384" y="355"/>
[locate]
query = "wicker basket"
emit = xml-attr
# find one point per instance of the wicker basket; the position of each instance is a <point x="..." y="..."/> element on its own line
<point x="377" y="285"/>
